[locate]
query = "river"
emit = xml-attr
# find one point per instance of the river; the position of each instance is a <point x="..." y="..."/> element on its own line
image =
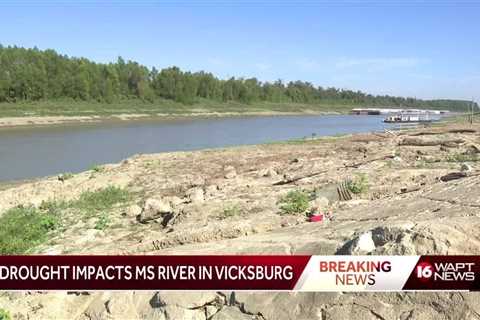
<point x="32" y="152"/>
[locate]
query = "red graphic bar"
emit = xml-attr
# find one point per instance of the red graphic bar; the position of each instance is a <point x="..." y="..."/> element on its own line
<point x="150" y="272"/>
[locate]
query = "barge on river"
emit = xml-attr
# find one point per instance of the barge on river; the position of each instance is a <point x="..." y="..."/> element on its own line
<point x="408" y="118"/>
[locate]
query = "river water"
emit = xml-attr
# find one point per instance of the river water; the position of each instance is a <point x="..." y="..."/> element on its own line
<point x="40" y="151"/>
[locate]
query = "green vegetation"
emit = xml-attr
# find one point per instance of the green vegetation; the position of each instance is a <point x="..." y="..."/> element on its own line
<point x="103" y="222"/>
<point x="35" y="82"/>
<point x="4" y="314"/>
<point x="23" y="228"/>
<point x="91" y="203"/>
<point x="65" y="176"/>
<point x="231" y="211"/>
<point x="359" y="184"/>
<point x="97" y="168"/>
<point x="295" y="202"/>
<point x="461" y="157"/>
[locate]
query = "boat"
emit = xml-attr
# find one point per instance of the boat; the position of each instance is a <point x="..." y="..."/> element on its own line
<point x="408" y="118"/>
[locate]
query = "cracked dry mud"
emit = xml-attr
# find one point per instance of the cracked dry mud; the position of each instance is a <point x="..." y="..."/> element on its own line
<point x="429" y="217"/>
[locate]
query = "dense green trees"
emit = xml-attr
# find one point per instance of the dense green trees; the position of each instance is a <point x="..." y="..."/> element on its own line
<point x="31" y="74"/>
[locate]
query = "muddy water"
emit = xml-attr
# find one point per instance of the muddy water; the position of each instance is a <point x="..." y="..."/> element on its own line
<point x="34" y="152"/>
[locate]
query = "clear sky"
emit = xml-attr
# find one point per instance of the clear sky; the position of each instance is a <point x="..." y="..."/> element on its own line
<point x="424" y="49"/>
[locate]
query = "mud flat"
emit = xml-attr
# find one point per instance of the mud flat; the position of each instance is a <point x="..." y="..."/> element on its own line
<point x="415" y="192"/>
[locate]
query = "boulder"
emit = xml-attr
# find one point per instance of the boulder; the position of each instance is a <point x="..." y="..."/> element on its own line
<point x="195" y="195"/>
<point x="132" y="211"/>
<point x="154" y="209"/>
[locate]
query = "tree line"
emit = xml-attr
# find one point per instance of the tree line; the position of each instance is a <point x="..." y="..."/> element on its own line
<point x="33" y="75"/>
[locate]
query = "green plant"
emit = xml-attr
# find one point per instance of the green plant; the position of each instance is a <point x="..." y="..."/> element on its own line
<point x="93" y="202"/>
<point x="294" y="202"/>
<point x="102" y="222"/>
<point x="461" y="157"/>
<point x="359" y="184"/>
<point x="65" y="176"/>
<point x="23" y="228"/>
<point x="97" y="168"/>
<point x="231" y="211"/>
<point x="4" y="314"/>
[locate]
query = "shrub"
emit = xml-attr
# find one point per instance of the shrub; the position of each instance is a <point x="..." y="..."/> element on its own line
<point x="295" y="202"/>
<point x="359" y="184"/>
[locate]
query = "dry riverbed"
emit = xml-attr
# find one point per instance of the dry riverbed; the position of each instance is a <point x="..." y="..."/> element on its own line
<point x="415" y="192"/>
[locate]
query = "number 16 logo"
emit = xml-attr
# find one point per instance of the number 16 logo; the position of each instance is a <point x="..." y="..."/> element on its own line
<point x="424" y="271"/>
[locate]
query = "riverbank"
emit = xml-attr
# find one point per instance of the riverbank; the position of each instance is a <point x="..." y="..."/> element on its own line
<point x="13" y="122"/>
<point x="68" y="111"/>
<point x="255" y="199"/>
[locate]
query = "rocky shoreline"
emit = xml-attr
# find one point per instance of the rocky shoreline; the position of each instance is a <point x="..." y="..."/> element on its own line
<point x="414" y="192"/>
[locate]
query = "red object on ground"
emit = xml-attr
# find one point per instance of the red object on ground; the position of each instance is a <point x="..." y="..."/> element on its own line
<point x="316" y="218"/>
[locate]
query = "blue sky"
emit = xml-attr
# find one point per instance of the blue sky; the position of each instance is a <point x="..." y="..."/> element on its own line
<point x="425" y="49"/>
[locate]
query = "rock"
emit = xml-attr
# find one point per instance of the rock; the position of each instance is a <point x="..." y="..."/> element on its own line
<point x="230" y="172"/>
<point x="133" y="211"/>
<point x="362" y="244"/>
<point x="267" y="172"/>
<point x="154" y="209"/>
<point x="230" y="175"/>
<point x="232" y="313"/>
<point x="174" y="201"/>
<point x="211" y="190"/>
<point x="466" y="167"/>
<point x="187" y="300"/>
<point x="121" y="306"/>
<point x="195" y="195"/>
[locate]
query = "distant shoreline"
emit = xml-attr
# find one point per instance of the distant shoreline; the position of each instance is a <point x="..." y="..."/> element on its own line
<point x="33" y="121"/>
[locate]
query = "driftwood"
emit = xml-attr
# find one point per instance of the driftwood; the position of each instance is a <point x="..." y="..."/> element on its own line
<point x="458" y="175"/>
<point x="430" y="133"/>
<point x="358" y="164"/>
<point x="409" y="189"/>
<point x="422" y="143"/>
<point x="295" y="179"/>
<point x="453" y="176"/>
<point x="355" y="165"/>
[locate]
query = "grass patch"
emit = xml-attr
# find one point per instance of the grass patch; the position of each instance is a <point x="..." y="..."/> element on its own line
<point x="231" y="211"/>
<point x="460" y="157"/>
<point x="359" y="184"/>
<point x="23" y="228"/>
<point x="103" y="222"/>
<point x="93" y="202"/>
<point x="5" y="315"/>
<point x="294" y="202"/>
